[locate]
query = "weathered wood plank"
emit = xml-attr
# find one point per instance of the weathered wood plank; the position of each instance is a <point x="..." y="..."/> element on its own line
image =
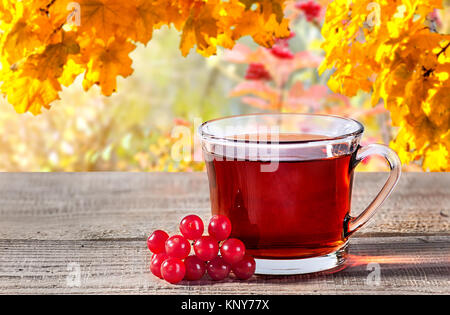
<point x="50" y="224"/>
<point x="92" y="206"/>
<point x="407" y="265"/>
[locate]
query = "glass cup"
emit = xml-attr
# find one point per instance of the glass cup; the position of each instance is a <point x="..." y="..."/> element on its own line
<point x="285" y="182"/>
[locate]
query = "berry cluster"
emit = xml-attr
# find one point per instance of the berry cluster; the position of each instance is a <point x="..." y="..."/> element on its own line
<point x="172" y="261"/>
<point x="311" y="9"/>
<point x="257" y="71"/>
<point x="281" y="48"/>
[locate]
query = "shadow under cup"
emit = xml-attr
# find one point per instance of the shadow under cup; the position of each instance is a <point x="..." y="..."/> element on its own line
<point x="285" y="182"/>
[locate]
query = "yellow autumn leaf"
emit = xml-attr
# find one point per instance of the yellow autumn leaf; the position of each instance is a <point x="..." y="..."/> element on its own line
<point x="34" y="83"/>
<point x="388" y="48"/>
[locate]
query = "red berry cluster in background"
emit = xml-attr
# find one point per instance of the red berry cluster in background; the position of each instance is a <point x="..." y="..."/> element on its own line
<point x="172" y="261"/>
<point x="281" y="48"/>
<point x="257" y="71"/>
<point x="311" y="9"/>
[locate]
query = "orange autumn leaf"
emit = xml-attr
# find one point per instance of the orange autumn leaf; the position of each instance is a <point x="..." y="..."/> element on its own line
<point x="100" y="18"/>
<point x="200" y="28"/>
<point x="107" y="61"/>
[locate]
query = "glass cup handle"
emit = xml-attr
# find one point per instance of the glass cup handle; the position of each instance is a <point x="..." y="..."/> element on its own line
<point x="353" y="224"/>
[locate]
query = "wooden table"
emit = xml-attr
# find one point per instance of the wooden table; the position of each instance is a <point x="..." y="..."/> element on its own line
<point x="86" y="232"/>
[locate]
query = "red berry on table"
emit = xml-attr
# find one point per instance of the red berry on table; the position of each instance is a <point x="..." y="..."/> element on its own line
<point x="191" y="227"/>
<point x="245" y="268"/>
<point x="218" y="269"/>
<point x="232" y="251"/>
<point x="206" y="248"/>
<point x="156" y="262"/>
<point x="195" y="268"/>
<point x="156" y="242"/>
<point x="178" y="246"/>
<point x="219" y="227"/>
<point x="173" y="270"/>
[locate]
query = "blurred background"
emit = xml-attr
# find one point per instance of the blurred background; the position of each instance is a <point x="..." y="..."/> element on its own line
<point x="133" y="129"/>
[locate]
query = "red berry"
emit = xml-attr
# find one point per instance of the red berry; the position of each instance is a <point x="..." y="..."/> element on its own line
<point x="219" y="227"/>
<point x="173" y="270"/>
<point x="195" y="268"/>
<point x="206" y="248"/>
<point x="178" y="246"/>
<point x="311" y="9"/>
<point x="155" y="264"/>
<point x="257" y="71"/>
<point x="156" y="242"/>
<point x="232" y="251"/>
<point x="191" y="227"/>
<point x="218" y="269"/>
<point x="245" y="268"/>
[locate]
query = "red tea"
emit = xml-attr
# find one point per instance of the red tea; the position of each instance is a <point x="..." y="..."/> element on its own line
<point x="297" y="211"/>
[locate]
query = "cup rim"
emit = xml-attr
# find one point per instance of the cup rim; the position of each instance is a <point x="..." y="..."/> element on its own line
<point x="208" y="136"/>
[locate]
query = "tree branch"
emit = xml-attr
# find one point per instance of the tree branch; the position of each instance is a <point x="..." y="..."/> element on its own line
<point x="443" y="49"/>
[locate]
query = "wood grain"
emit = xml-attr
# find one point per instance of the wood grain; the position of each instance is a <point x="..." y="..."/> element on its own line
<point x="407" y="265"/>
<point x="79" y="206"/>
<point x="52" y="223"/>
